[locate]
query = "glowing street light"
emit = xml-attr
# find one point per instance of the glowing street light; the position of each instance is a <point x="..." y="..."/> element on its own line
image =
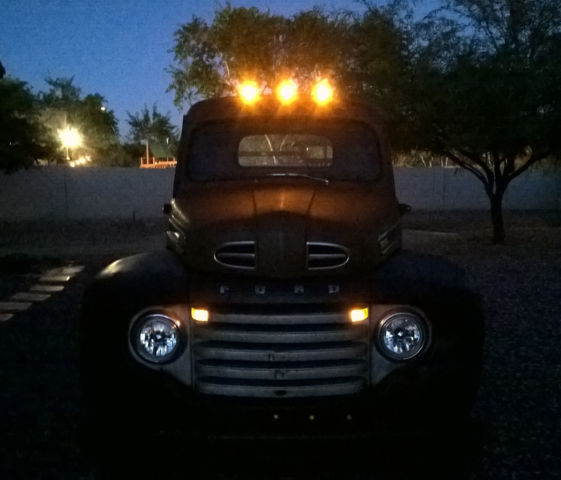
<point x="70" y="138"/>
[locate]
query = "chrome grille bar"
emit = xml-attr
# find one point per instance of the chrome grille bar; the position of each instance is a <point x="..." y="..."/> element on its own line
<point x="262" y="353"/>
<point x="343" y="387"/>
<point x="239" y="334"/>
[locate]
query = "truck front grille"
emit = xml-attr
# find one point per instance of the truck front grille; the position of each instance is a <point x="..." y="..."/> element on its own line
<point x="326" y="255"/>
<point x="239" y="255"/>
<point x="280" y="356"/>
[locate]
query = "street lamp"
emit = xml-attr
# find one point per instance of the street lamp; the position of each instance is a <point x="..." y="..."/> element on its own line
<point x="70" y="138"/>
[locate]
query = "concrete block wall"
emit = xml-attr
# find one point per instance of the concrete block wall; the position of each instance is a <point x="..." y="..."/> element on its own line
<point x="59" y="193"/>
<point x="456" y="189"/>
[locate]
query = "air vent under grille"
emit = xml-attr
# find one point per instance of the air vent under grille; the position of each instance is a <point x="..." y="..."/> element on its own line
<point x="236" y="255"/>
<point x="326" y="255"/>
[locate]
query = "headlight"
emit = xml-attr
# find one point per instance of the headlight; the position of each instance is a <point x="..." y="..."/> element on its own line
<point x="156" y="337"/>
<point x="402" y="335"/>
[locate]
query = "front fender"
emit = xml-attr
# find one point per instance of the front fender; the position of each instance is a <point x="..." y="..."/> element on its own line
<point x="138" y="280"/>
<point x="451" y="367"/>
<point x="118" y="292"/>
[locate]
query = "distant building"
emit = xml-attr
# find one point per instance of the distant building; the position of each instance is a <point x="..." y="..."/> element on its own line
<point x="161" y="156"/>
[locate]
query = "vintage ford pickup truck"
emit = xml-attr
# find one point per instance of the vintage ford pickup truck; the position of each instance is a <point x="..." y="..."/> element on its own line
<point x="283" y="295"/>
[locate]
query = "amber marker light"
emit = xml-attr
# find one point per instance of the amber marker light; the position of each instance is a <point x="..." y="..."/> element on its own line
<point x="200" y="315"/>
<point x="249" y="92"/>
<point x="322" y="92"/>
<point x="357" y="315"/>
<point x="287" y="91"/>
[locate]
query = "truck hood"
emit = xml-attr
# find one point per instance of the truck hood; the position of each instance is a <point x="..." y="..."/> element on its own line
<point x="284" y="229"/>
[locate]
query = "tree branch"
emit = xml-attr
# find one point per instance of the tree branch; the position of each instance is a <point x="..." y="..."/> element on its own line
<point x="470" y="168"/>
<point x="534" y="158"/>
<point x="509" y="166"/>
<point x="475" y="159"/>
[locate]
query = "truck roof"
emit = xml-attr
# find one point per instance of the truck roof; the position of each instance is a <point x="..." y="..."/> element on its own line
<point x="225" y="108"/>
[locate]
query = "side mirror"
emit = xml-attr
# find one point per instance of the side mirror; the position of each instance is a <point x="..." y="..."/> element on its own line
<point x="404" y="208"/>
<point x="166" y="209"/>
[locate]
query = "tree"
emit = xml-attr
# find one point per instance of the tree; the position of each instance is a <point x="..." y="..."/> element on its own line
<point x="63" y="105"/>
<point x="485" y="89"/>
<point x="476" y="81"/>
<point x="99" y="126"/>
<point x="211" y="59"/>
<point x="62" y="93"/>
<point x="381" y="49"/>
<point x="22" y="138"/>
<point x="151" y="126"/>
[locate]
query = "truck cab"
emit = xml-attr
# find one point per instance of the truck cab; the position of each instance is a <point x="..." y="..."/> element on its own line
<point x="283" y="291"/>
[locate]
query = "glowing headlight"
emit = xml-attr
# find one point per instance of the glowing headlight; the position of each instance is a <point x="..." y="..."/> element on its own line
<point x="402" y="335"/>
<point x="156" y="337"/>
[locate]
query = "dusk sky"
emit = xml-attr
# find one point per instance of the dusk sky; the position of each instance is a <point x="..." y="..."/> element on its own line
<point x="117" y="48"/>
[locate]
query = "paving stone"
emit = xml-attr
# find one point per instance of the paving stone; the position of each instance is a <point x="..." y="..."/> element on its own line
<point x="47" y="288"/>
<point x="55" y="278"/>
<point x="53" y="271"/>
<point x="30" y="297"/>
<point x="14" y="306"/>
<point x="72" y="270"/>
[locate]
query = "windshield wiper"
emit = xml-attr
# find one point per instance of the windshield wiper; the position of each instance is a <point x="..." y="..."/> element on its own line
<point x="300" y="175"/>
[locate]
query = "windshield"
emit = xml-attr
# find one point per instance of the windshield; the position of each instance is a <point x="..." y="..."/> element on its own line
<point x="331" y="150"/>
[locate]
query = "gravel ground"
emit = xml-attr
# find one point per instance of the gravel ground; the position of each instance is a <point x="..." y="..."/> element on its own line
<point x="520" y="282"/>
<point x="517" y="409"/>
<point x="80" y="239"/>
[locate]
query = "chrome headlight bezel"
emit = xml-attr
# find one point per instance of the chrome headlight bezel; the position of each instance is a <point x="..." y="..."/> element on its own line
<point x="175" y="326"/>
<point x="423" y="330"/>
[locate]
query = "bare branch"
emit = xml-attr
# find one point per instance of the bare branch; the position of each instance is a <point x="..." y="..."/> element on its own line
<point x="475" y="159"/>
<point x="534" y="158"/>
<point x="467" y="166"/>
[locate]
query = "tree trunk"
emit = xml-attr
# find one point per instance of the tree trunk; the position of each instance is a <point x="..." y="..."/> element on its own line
<point x="497" y="216"/>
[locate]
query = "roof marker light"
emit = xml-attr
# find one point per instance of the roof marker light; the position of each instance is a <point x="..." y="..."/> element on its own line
<point x="249" y="92"/>
<point x="287" y="91"/>
<point x="322" y="92"/>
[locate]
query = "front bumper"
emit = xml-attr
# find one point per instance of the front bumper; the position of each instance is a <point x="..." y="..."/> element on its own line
<point x="408" y="400"/>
